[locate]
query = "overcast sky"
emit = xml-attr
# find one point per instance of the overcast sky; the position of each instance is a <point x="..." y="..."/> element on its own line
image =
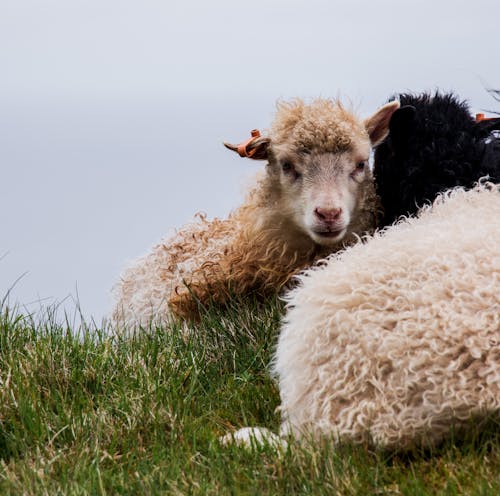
<point x="112" y="112"/>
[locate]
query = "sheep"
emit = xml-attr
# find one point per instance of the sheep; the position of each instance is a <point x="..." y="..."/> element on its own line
<point x="434" y="144"/>
<point x="395" y="342"/>
<point x="315" y="197"/>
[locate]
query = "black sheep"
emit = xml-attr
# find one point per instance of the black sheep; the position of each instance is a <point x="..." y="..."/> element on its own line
<point x="434" y="144"/>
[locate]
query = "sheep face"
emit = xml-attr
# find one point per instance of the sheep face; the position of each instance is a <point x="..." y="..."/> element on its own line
<point x="318" y="159"/>
<point x="317" y="166"/>
<point x="319" y="191"/>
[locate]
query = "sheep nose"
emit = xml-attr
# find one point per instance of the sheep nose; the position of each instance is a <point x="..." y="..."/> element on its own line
<point x="328" y="215"/>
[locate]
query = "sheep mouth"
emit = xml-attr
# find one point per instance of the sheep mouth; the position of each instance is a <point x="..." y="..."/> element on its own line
<point x="330" y="234"/>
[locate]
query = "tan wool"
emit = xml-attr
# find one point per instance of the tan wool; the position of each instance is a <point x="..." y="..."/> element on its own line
<point x="312" y="179"/>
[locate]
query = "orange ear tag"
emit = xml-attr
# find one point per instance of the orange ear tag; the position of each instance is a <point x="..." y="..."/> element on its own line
<point x="481" y="117"/>
<point x="243" y="147"/>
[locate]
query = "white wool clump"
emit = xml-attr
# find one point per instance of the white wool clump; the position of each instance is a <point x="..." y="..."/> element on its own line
<point x="253" y="437"/>
<point x="396" y="341"/>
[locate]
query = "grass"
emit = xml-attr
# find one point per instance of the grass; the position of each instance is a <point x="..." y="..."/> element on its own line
<point x="92" y="413"/>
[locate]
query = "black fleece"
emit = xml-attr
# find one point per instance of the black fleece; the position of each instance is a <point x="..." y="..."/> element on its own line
<point x="434" y="144"/>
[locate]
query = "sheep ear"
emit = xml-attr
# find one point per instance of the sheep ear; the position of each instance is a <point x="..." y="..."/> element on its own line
<point x="378" y="124"/>
<point x="255" y="148"/>
<point x="402" y="122"/>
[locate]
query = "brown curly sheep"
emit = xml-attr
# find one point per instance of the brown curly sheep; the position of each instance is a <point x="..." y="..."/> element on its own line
<point x="316" y="196"/>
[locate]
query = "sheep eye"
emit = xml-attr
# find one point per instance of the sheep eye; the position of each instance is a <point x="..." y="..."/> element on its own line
<point x="289" y="169"/>
<point x="360" y="167"/>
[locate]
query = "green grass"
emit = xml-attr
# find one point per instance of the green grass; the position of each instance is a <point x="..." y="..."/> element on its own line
<point x="92" y="413"/>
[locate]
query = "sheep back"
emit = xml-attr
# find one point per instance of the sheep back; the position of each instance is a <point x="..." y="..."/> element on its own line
<point x="396" y="341"/>
<point x="207" y="262"/>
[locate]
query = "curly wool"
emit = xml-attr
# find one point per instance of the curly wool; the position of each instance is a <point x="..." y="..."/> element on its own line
<point x="323" y="125"/>
<point x="396" y="341"/>
<point x="211" y="261"/>
<point x="256" y="250"/>
<point x="431" y="149"/>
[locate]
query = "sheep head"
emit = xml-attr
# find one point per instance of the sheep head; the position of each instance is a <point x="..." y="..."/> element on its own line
<point x="317" y="166"/>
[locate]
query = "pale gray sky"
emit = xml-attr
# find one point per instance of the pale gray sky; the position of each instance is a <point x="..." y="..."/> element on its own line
<point x="112" y="112"/>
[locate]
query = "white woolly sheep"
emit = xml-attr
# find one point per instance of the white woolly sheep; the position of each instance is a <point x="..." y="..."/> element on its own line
<point x="316" y="195"/>
<point x="396" y="341"/>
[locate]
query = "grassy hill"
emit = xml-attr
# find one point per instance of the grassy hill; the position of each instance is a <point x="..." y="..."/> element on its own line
<point x="90" y="413"/>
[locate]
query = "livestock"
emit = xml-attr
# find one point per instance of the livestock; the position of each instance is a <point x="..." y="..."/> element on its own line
<point x="315" y="196"/>
<point x="434" y="144"/>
